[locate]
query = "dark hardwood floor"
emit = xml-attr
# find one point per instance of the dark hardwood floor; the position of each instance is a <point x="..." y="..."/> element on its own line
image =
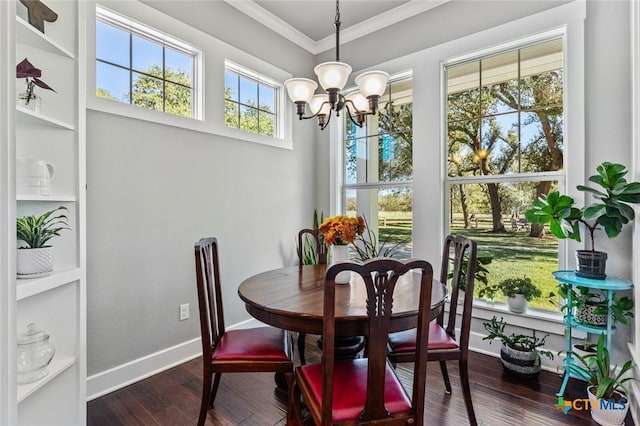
<point x="173" y="398"/>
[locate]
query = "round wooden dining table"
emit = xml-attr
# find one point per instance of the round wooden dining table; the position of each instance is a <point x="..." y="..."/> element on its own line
<point x="291" y="298"/>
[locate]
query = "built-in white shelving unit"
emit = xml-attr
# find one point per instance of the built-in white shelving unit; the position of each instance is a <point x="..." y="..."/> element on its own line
<point x="55" y="134"/>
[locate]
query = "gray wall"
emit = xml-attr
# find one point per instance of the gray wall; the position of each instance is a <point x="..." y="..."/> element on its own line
<point x="154" y="190"/>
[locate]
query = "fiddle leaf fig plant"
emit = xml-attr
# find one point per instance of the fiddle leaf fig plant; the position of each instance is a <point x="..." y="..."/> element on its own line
<point x="610" y="212"/>
<point x="36" y="231"/>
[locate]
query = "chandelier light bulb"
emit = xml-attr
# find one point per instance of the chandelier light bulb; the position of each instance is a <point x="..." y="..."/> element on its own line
<point x="372" y="83"/>
<point x="359" y="101"/>
<point x="300" y="89"/>
<point x="317" y="107"/>
<point x="333" y="75"/>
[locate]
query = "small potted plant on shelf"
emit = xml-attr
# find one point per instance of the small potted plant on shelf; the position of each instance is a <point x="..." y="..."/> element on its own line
<point x="34" y="257"/>
<point x="592" y="307"/>
<point x="605" y="383"/>
<point x="610" y="212"/>
<point x="520" y="353"/>
<point x="519" y="291"/>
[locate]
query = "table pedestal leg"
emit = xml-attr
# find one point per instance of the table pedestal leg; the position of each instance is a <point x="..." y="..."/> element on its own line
<point x="346" y="347"/>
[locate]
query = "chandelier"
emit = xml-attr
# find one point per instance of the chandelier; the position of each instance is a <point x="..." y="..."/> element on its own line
<point x="333" y="77"/>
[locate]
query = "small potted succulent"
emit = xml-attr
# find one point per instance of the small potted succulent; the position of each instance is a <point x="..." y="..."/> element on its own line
<point x="605" y="383"/>
<point x="519" y="291"/>
<point x="610" y="212"/>
<point x="520" y="353"/>
<point x="34" y="257"/>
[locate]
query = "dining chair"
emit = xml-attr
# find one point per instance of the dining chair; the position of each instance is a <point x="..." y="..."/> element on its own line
<point x="442" y="344"/>
<point x="365" y="390"/>
<point x="261" y="349"/>
<point x="318" y="258"/>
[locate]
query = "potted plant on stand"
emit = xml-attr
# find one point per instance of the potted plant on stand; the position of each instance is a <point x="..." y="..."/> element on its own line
<point x="519" y="291"/>
<point x="592" y="308"/>
<point x="520" y="354"/>
<point x="610" y="212"/>
<point x="605" y="383"/>
<point x="34" y="257"/>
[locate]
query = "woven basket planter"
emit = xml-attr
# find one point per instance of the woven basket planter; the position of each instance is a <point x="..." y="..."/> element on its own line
<point x="32" y="262"/>
<point x="523" y="364"/>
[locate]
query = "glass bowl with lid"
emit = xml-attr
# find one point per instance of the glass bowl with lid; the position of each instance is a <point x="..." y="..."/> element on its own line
<point x="34" y="354"/>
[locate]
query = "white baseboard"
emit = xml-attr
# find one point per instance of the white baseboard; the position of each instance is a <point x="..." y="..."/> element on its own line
<point x="133" y="371"/>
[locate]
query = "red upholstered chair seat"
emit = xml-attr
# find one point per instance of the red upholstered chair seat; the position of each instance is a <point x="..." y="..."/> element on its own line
<point x="405" y="341"/>
<point x="350" y="391"/>
<point x="262" y="343"/>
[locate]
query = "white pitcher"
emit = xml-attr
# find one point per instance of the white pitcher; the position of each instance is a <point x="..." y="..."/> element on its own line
<point x="33" y="177"/>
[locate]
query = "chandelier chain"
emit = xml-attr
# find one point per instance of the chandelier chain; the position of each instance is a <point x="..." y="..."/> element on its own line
<point x="337" y="25"/>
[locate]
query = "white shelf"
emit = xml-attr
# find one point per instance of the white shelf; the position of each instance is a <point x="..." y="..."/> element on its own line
<point x="52" y="198"/>
<point x="58" y="365"/>
<point x="28" y="34"/>
<point x="25" y="115"/>
<point x="30" y="287"/>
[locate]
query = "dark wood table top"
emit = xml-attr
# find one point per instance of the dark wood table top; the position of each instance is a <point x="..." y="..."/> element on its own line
<point x="291" y="298"/>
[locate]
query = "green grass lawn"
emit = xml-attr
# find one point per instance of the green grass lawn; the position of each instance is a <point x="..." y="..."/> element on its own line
<point x="514" y="254"/>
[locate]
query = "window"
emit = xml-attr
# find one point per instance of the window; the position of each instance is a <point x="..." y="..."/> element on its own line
<point x="504" y="150"/>
<point x="138" y="65"/>
<point x="251" y="101"/>
<point x="378" y="169"/>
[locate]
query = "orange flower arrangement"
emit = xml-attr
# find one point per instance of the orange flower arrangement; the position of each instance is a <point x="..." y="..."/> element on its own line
<point x="341" y="230"/>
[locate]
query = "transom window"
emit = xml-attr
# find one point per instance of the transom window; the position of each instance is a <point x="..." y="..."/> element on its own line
<point x="251" y="101"/>
<point x="138" y="65"/>
<point x="378" y="169"/>
<point x="505" y="148"/>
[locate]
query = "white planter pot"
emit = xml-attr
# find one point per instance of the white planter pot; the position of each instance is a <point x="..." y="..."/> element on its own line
<point x="31" y="263"/>
<point x="608" y="417"/>
<point x="340" y="253"/>
<point x="517" y="303"/>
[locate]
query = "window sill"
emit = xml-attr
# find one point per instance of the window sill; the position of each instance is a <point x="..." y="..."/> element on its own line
<point x="130" y="111"/>
<point x="536" y="319"/>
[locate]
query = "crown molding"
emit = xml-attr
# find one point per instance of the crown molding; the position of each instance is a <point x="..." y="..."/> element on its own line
<point x="390" y="17"/>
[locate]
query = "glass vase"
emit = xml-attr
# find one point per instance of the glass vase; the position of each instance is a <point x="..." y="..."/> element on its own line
<point x="31" y="102"/>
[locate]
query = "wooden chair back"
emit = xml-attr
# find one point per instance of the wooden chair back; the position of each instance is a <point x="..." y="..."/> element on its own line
<point x="459" y="256"/>
<point x="314" y="236"/>
<point x="209" y="294"/>
<point x="380" y="276"/>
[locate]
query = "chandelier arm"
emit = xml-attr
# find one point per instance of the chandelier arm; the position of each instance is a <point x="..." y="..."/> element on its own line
<point x="302" y="117"/>
<point x="359" y="124"/>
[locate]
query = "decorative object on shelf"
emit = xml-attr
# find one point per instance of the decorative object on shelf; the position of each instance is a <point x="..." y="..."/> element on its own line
<point x="519" y="291"/>
<point x="333" y="77"/>
<point x="33" y="177"/>
<point x="519" y="353"/>
<point x="36" y="259"/>
<point x="34" y="354"/>
<point x="38" y="12"/>
<point x="339" y="231"/>
<point x="610" y="212"/>
<point x="604" y="382"/>
<point x="30" y="73"/>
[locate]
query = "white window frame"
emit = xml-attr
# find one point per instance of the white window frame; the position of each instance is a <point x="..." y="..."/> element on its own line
<point x="280" y="110"/>
<point x="560" y="176"/>
<point x="211" y="70"/>
<point x="130" y="26"/>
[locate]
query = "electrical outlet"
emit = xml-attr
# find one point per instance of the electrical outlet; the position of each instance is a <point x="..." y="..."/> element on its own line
<point x="184" y="311"/>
